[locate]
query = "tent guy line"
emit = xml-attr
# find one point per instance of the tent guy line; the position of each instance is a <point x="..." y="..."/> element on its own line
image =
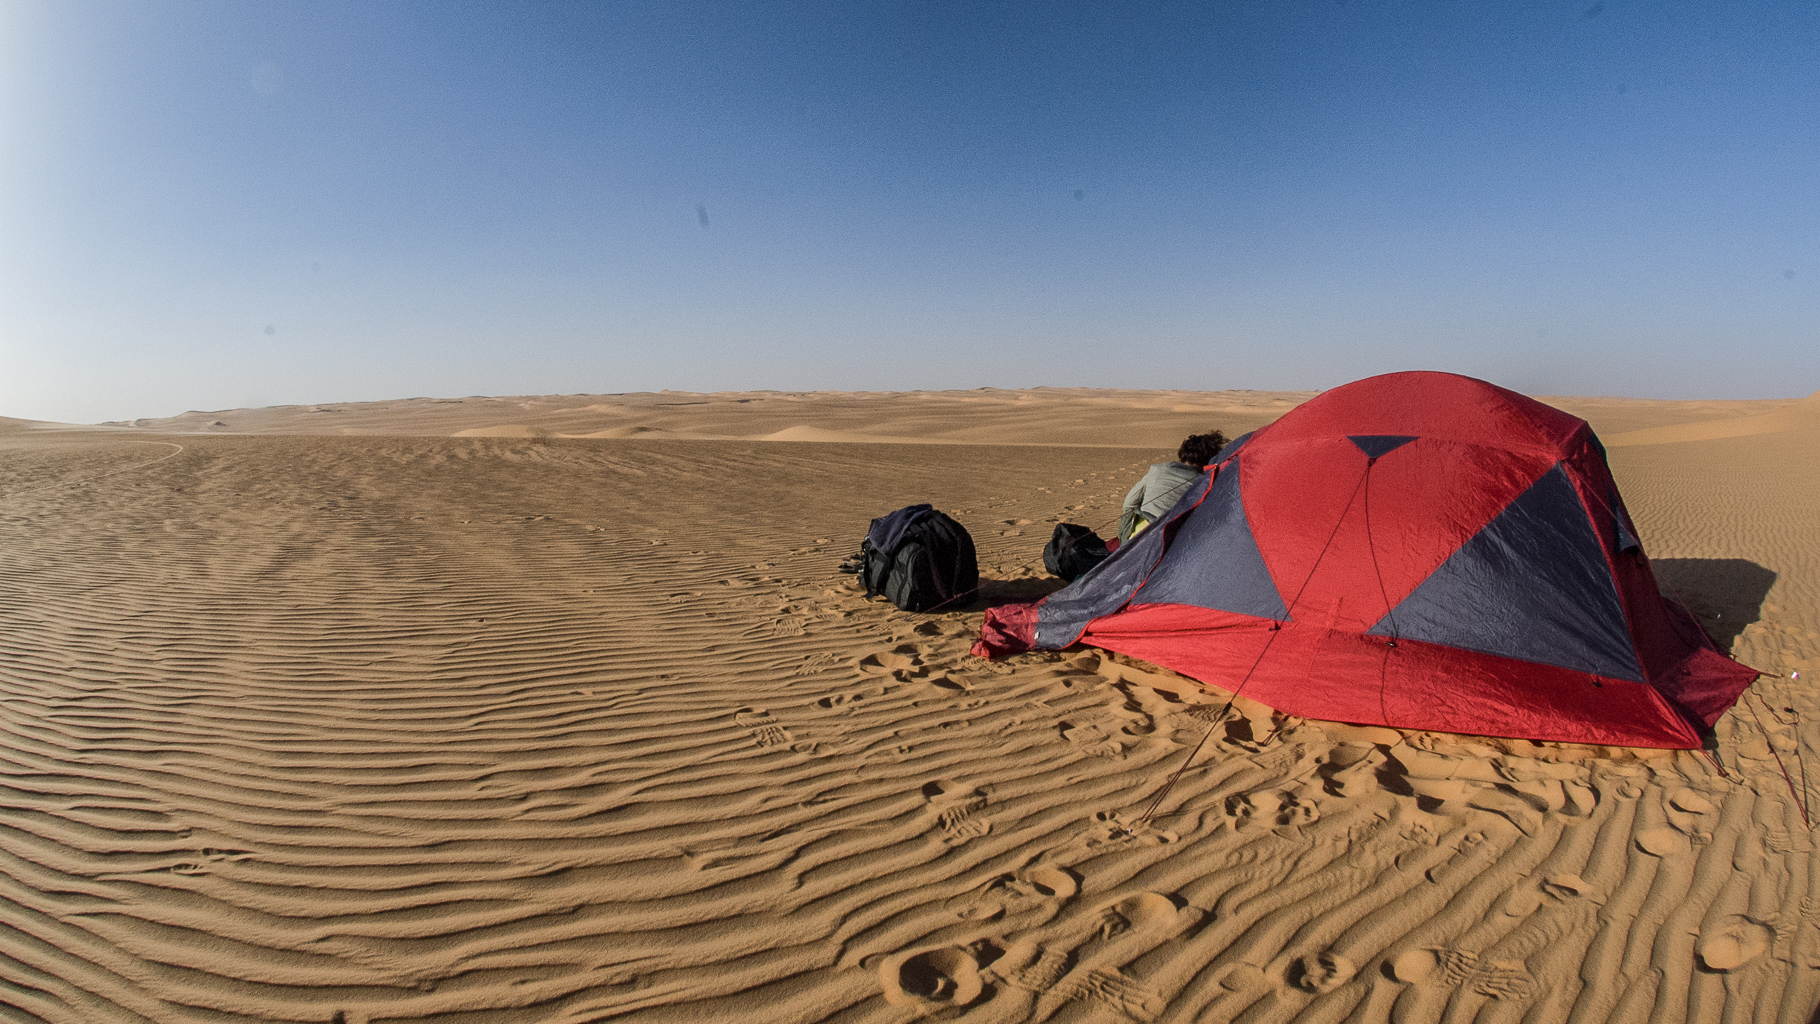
<point x="1274" y="633"/>
<point x="1799" y="798"/>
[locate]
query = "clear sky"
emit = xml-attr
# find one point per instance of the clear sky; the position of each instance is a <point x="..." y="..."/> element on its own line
<point x="208" y="205"/>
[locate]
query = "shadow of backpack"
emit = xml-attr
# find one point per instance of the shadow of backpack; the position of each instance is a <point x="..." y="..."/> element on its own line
<point x="920" y="560"/>
<point x="1072" y="550"/>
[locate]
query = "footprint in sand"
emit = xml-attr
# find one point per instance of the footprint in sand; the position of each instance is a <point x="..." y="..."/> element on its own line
<point x="959" y="825"/>
<point x="1527" y="898"/>
<point x="772" y="736"/>
<point x="1662" y="842"/>
<point x="1732" y="943"/>
<point x="1296" y="808"/>
<point x="1455" y="968"/>
<point x="1096" y="738"/>
<point x="952" y="682"/>
<point x="931" y="979"/>
<point x="1566" y="887"/>
<point x="1248" y="734"/>
<point x="762" y="727"/>
<point x="848" y="700"/>
<point x="1051" y="882"/>
<point x="1038" y="890"/>
<point x="1420" y="966"/>
<point x="1045" y="882"/>
<point x="1202" y="714"/>
<point x="1352" y="773"/>
<point x="1510" y="805"/>
<point x="1581" y="799"/>
<point x="1108" y="827"/>
<point x="1241" y="809"/>
<point x="1118" y="992"/>
<point x="1281" y="809"/>
<point x="1321" y="972"/>
<point x="815" y="663"/>
<point x="1146" y="912"/>
<point x="1523" y="901"/>
<point x="902" y="662"/>
<point x="954" y="805"/>
<point x="1690" y="802"/>
<point x="1782" y="841"/>
<point x="943" y="792"/>
<point x="1031" y="967"/>
<point x="1685" y="809"/>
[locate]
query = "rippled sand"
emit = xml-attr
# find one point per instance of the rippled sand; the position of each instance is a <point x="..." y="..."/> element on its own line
<point x="329" y="715"/>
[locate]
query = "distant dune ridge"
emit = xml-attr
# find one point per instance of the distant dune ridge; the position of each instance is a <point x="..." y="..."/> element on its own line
<point x="555" y="709"/>
<point x="1074" y="416"/>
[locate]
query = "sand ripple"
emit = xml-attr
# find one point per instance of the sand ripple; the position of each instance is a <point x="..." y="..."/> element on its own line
<point x="520" y="729"/>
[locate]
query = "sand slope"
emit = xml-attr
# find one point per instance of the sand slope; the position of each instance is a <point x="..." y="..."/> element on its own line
<point x="540" y="729"/>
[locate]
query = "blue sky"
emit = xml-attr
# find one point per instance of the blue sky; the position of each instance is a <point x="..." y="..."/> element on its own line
<point x="209" y="205"/>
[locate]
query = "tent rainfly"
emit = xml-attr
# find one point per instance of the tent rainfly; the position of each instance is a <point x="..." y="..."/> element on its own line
<point x="1418" y="550"/>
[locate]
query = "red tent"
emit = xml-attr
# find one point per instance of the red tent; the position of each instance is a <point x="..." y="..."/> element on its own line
<point x="1419" y="550"/>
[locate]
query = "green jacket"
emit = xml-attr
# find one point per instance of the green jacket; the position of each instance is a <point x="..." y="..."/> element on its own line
<point x="1157" y="492"/>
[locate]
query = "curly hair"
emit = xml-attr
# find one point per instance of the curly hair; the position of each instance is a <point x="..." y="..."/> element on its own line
<point x="1199" y="450"/>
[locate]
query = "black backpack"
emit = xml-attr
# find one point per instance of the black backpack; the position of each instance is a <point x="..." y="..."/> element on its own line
<point x="1072" y="550"/>
<point x="920" y="559"/>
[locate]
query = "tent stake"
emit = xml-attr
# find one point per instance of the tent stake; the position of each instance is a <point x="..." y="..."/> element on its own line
<point x="1718" y="766"/>
<point x="1796" y="715"/>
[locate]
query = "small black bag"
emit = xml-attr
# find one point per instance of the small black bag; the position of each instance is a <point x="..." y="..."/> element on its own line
<point x="1072" y="550"/>
<point x="920" y="559"/>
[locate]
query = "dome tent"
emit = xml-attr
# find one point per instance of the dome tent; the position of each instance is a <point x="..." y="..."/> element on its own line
<point x="1418" y="550"/>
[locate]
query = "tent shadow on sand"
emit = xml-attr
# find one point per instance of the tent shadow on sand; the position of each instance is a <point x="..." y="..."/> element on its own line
<point x="1726" y="593"/>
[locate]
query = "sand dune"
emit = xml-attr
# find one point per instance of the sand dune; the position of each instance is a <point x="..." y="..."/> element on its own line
<point x="503" y="430"/>
<point x="1783" y="416"/>
<point x="1069" y="416"/>
<point x="984" y="416"/>
<point x="523" y="727"/>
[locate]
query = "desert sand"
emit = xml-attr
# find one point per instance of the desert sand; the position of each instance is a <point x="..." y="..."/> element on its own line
<point x="556" y="709"/>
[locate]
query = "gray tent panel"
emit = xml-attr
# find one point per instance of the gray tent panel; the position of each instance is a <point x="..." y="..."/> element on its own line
<point x="1214" y="560"/>
<point x="1378" y="445"/>
<point x="1106" y="587"/>
<point x="1533" y="585"/>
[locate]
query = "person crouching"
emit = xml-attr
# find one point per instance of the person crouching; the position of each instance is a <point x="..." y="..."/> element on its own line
<point x="1166" y="482"/>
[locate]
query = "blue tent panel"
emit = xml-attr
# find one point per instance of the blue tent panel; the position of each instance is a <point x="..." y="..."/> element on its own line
<point x="1233" y="446"/>
<point x="1378" y="445"/>
<point x="1214" y="560"/>
<point x="1533" y="585"/>
<point x="1106" y="587"/>
<point x="1626" y="540"/>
